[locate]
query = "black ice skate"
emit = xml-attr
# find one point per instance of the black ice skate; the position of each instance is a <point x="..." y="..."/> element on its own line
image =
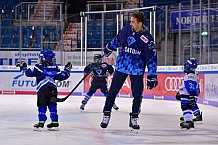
<point x="82" y="107"/>
<point x="106" y="119"/>
<point x="187" y="125"/>
<point x="38" y="126"/>
<point x="53" y="126"/>
<point x="133" y="122"/>
<point x="115" y="107"/>
<point x="197" y="118"/>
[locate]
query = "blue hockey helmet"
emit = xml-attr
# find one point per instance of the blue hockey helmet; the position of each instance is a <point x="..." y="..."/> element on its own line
<point x="47" y="56"/>
<point x="190" y="65"/>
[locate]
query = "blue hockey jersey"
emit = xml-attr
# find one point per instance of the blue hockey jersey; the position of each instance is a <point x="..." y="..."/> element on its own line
<point x="46" y="75"/>
<point x="137" y="51"/>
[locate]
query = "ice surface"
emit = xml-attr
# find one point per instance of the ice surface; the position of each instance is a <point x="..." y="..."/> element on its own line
<point x="159" y="121"/>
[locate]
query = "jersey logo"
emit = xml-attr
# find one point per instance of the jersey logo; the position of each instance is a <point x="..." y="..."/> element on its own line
<point x="144" y="39"/>
<point x="98" y="71"/>
<point x="130" y="40"/>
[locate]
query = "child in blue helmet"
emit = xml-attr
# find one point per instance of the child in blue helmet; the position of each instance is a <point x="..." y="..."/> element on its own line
<point x="46" y="72"/>
<point x="189" y="90"/>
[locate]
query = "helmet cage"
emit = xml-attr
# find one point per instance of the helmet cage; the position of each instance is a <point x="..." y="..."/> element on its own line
<point x="97" y="57"/>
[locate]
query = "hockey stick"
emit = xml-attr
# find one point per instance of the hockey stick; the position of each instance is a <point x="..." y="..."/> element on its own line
<point x="54" y="99"/>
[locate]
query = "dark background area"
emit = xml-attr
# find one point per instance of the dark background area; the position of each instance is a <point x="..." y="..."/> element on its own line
<point x="74" y="9"/>
<point x="76" y="6"/>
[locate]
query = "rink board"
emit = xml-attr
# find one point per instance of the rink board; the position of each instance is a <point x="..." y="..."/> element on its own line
<point x="169" y="78"/>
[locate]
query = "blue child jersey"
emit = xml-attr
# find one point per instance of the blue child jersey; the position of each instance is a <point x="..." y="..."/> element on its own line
<point x="46" y="75"/>
<point x="137" y="51"/>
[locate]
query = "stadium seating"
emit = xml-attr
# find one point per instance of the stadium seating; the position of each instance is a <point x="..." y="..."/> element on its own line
<point x="10" y="32"/>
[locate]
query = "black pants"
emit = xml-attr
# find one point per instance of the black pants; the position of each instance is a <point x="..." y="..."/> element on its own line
<point x="94" y="87"/>
<point x="44" y="96"/>
<point x="117" y="83"/>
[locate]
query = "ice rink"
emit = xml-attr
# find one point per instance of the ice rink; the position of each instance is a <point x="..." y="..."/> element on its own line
<point x="159" y="121"/>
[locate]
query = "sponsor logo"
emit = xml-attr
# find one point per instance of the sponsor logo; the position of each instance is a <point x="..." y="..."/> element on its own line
<point x="144" y="39"/>
<point x="103" y="65"/>
<point x="63" y="84"/>
<point x="20" y="82"/>
<point x="27" y="54"/>
<point x="12" y="61"/>
<point x="173" y="83"/>
<point x="132" y="51"/>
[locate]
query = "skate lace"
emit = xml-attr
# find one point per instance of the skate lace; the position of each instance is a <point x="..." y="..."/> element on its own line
<point x="134" y="121"/>
<point x="106" y="119"/>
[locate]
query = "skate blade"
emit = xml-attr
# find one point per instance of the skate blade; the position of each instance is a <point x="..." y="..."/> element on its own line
<point x="136" y="131"/>
<point x="103" y="130"/>
<point x="37" y="129"/>
<point x="117" y="109"/>
<point x="199" y="122"/>
<point x="53" y="129"/>
<point x="187" y="129"/>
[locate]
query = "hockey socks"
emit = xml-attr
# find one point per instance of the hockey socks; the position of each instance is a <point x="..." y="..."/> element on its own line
<point x="197" y="118"/>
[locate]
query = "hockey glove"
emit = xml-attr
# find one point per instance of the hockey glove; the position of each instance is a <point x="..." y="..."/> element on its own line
<point x="152" y="81"/>
<point x="22" y="65"/>
<point x="177" y="96"/>
<point x="68" y="66"/>
<point x="107" y="51"/>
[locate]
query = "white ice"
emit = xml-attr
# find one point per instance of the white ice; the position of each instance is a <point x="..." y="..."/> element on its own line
<point x="159" y="122"/>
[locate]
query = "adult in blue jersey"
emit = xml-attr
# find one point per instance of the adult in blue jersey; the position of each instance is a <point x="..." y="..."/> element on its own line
<point x="46" y="72"/>
<point x="137" y="51"/>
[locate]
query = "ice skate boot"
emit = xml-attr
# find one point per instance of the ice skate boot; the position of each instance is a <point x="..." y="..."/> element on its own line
<point x="115" y="107"/>
<point x="133" y="121"/>
<point x="106" y="119"/>
<point x="38" y="126"/>
<point x="198" y="118"/>
<point x="82" y="106"/>
<point x="53" y="126"/>
<point x="181" y="118"/>
<point x="187" y="125"/>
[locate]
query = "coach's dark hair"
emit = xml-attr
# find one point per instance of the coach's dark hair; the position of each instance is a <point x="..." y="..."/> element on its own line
<point x="139" y="16"/>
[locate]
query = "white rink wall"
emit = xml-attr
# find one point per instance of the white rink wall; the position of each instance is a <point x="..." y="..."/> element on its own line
<point x="169" y="77"/>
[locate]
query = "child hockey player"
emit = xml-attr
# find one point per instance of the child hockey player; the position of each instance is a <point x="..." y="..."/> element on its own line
<point x="46" y="72"/>
<point x="195" y="110"/>
<point x="137" y="51"/>
<point x="99" y="75"/>
<point x="188" y="92"/>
